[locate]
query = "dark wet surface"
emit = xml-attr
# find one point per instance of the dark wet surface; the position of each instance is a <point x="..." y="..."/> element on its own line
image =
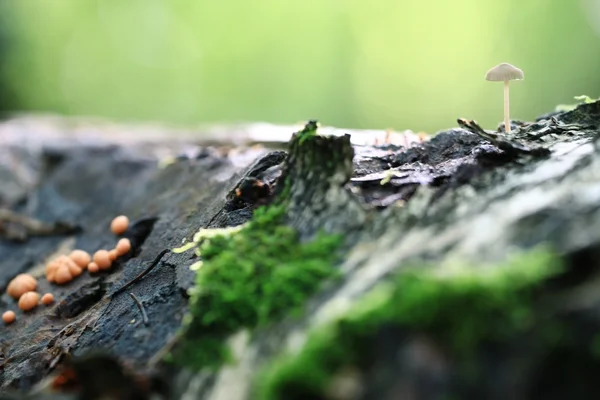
<point x="89" y="185"/>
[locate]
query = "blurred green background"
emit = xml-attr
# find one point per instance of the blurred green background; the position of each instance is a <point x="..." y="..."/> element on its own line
<point x="381" y="64"/>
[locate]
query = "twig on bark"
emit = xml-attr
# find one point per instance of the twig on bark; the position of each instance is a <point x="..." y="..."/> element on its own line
<point x="142" y="309"/>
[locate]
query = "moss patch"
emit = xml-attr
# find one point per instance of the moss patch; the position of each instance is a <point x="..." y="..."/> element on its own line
<point x="461" y="308"/>
<point x="309" y="131"/>
<point x="251" y="278"/>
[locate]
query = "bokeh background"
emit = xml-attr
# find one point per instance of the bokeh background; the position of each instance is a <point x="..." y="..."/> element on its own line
<point x="402" y="64"/>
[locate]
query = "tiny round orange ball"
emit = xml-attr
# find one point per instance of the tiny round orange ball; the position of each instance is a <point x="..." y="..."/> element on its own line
<point x="123" y="247"/>
<point x="9" y="317"/>
<point x="20" y="284"/>
<point x="48" y="298"/>
<point x="93" y="267"/>
<point x="29" y="301"/>
<point x="113" y="254"/>
<point x="81" y="258"/>
<point x="102" y="258"/>
<point x="119" y="225"/>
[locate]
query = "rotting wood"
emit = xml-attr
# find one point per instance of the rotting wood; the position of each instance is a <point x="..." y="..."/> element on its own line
<point x="467" y="193"/>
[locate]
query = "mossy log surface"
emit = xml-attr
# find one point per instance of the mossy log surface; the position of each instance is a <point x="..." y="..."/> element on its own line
<point x="465" y="196"/>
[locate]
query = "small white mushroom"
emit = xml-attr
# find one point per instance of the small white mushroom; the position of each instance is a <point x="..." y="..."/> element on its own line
<point x="505" y="72"/>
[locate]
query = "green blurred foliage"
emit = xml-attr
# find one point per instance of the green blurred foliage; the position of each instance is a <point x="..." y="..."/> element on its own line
<point x="400" y="64"/>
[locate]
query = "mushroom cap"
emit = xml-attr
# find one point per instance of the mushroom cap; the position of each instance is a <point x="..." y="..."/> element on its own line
<point x="504" y="72"/>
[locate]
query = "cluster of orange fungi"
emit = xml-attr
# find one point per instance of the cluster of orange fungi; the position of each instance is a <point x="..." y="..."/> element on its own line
<point x="64" y="269"/>
<point x="22" y="288"/>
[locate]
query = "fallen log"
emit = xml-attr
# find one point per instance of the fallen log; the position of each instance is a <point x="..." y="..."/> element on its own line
<point x="464" y="265"/>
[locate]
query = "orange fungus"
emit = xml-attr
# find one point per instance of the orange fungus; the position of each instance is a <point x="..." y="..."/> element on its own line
<point x="29" y="301"/>
<point x="81" y="258"/>
<point x="102" y="258"/>
<point x="93" y="267"/>
<point x="62" y="270"/>
<point x="48" y="298"/>
<point x="123" y="247"/>
<point x="119" y="225"/>
<point x="9" y="317"/>
<point x="20" y="284"/>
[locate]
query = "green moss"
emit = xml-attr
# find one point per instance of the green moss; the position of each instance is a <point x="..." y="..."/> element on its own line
<point x="309" y="130"/>
<point x="249" y="279"/>
<point x="583" y="99"/>
<point x="461" y="308"/>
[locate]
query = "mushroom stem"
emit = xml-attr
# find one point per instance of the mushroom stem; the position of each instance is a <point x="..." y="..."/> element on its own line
<point x="506" y="108"/>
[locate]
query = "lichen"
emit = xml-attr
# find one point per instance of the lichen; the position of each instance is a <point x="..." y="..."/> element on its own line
<point x="249" y="279"/>
<point x="460" y="308"/>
